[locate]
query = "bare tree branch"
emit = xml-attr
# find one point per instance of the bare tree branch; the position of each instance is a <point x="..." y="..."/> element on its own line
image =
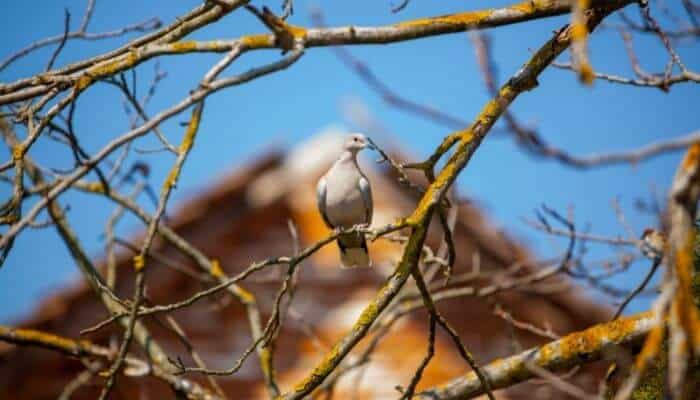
<point x="573" y="349"/>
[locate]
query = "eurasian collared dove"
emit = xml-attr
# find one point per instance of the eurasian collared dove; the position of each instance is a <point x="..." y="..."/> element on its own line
<point x="345" y="200"/>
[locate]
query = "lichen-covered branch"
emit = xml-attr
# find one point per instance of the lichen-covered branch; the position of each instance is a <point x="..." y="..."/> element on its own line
<point x="387" y="292"/>
<point x="684" y="322"/>
<point x="85" y="348"/>
<point x="573" y="349"/>
<point x="467" y="141"/>
<point x="194" y="97"/>
<point x="141" y="51"/>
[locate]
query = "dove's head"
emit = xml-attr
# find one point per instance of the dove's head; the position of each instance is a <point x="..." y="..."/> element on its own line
<point x="356" y="142"/>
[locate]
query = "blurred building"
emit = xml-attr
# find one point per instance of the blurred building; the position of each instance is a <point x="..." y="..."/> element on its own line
<point x="245" y="217"/>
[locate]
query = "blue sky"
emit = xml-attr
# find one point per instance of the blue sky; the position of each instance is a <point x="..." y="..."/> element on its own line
<point x="283" y="109"/>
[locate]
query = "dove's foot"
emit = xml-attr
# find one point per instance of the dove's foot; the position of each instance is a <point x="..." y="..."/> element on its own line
<point x="360" y="227"/>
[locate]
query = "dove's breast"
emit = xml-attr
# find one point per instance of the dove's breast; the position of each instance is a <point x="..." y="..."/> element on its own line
<point x="344" y="204"/>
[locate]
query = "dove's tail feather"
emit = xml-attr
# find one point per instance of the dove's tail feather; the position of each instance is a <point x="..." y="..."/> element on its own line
<point x="355" y="257"/>
<point x="354" y="254"/>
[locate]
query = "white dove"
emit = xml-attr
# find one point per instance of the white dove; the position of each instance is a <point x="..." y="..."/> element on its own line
<point x="345" y="201"/>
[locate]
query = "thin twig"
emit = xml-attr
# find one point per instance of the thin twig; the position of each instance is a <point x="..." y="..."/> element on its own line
<point x="66" y="29"/>
<point x="638" y="289"/>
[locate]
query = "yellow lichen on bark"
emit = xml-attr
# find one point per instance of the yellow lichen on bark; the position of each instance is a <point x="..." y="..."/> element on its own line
<point x="579" y="46"/>
<point x="528" y="7"/>
<point x="139" y="262"/>
<point x="95" y="187"/>
<point x="578" y="29"/>
<point x="171" y="179"/>
<point x="687" y="310"/>
<point x="184" y="46"/>
<point x="461" y="20"/>
<point x="30" y="336"/>
<point x="245" y="296"/>
<point x="260" y="41"/>
<point x="325" y="365"/>
<point x="297" y="32"/>
<point x="190" y="133"/>
<point x="17" y="152"/>
<point x="692" y="157"/>
<point x="83" y="82"/>
<point x="266" y="362"/>
<point x="591" y="339"/>
<point x="216" y="270"/>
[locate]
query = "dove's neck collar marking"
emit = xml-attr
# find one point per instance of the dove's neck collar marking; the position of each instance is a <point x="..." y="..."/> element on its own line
<point x="348" y="155"/>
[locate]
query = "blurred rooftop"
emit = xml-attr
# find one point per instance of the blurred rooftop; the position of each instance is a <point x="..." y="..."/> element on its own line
<point x="243" y="218"/>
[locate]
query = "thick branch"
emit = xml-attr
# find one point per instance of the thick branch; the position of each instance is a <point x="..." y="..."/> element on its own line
<point x="574" y="349"/>
<point x="314" y="37"/>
